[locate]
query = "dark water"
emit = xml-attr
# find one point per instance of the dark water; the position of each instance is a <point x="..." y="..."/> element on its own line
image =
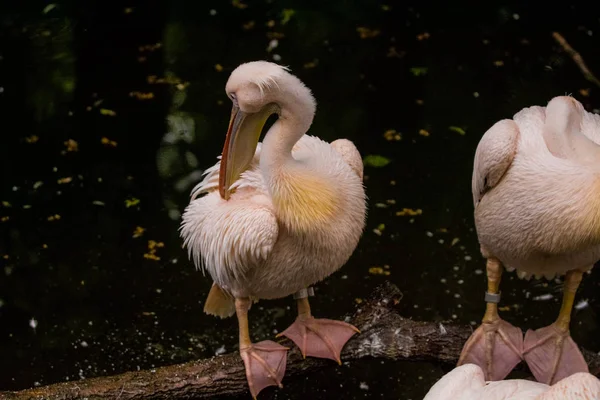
<point x="109" y="114"/>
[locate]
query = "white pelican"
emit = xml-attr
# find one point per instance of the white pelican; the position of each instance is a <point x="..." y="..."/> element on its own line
<point x="467" y="382"/>
<point x="536" y="189"/>
<point x="276" y="217"/>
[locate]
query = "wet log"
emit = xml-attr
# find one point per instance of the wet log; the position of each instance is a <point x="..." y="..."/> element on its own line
<point x="384" y="334"/>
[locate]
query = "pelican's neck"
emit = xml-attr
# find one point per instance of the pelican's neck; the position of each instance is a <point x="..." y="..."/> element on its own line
<point x="561" y="129"/>
<point x="564" y="132"/>
<point x="304" y="200"/>
<point x="297" y="110"/>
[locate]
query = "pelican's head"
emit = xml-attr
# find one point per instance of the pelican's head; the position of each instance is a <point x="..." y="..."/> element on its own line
<point x="251" y="88"/>
<point x="257" y="90"/>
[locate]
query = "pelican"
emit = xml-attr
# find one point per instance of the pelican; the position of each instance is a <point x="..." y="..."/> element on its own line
<point x="467" y="382"/>
<point x="536" y="190"/>
<point x="275" y="217"/>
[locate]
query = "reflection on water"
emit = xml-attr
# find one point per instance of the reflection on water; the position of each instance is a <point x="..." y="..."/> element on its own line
<point x="111" y="115"/>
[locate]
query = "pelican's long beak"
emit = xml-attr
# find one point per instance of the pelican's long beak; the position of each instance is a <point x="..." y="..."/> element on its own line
<point x="240" y="146"/>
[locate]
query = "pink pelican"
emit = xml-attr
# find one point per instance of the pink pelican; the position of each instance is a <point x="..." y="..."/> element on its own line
<point x="276" y="217"/>
<point x="536" y="185"/>
<point x="467" y="382"/>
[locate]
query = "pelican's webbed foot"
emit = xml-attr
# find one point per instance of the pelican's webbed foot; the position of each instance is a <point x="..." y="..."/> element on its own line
<point x="323" y="338"/>
<point x="552" y="355"/>
<point x="265" y="365"/>
<point x="495" y="346"/>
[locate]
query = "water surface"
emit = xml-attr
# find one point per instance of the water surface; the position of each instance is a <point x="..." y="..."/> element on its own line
<point x="110" y="114"/>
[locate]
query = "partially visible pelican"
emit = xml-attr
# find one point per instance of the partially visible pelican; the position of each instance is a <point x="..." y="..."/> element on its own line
<point x="467" y="382"/>
<point x="536" y="189"/>
<point x="276" y="217"/>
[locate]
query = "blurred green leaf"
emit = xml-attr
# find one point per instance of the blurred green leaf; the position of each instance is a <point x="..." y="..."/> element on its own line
<point x="418" y="71"/>
<point x="457" y="129"/>
<point x="373" y="160"/>
<point x="286" y="15"/>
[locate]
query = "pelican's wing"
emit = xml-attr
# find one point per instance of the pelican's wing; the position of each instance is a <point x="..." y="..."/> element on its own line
<point x="321" y="152"/>
<point x="350" y="154"/>
<point x="494" y="155"/>
<point x="229" y="237"/>
<point x="211" y="176"/>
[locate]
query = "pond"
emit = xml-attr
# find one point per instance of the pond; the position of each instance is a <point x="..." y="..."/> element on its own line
<point x="112" y="112"/>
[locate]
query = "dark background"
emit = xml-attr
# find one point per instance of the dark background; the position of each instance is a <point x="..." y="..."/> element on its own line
<point x="69" y="71"/>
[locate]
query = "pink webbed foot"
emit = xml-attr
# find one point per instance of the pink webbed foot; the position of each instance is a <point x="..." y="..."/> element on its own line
<point x="496" y="347"/>
<point x="265" y="365"/>
<point x="323" y="338"/>
<point x="552" y="355"/>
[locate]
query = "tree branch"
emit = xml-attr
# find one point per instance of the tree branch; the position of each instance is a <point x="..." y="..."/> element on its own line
<point x="384" y="334"/>
<point x="576" y="57"/>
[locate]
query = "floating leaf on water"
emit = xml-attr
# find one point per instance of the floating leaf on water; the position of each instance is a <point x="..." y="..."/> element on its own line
<point x="275" y="35"/>
<point x="286" y="15"/>
<point x="98" y="203"/>
<point x="107" y="141"/>
<point x="132" y="202"/>
<point x="457" y="129"/>
<point x="366" y="33"/>
<point x="64" y="180"/>
<point x="6" y="204"/>
<point x="152" y="246"/>
<point x="142" y="96"/>
<point x="423" y="132"/>
<point x="71" y="145"/>
<point x="248" y="25"/>
<point x="378" y="271"/>
<point x="106" y="111"/>
<point x="49" y="8"/>
<point x="239" y="4"/>
<point x="139" y="231"/>
<point x="373" y="160"/>
<point x="423" y="36"/>
<point x="409" y="211"/>
<point x="419" y="71"/>
<point x="392" y="52"/>
<point x="32" y="139"/>
<point x="150" y="47"/>
<point x="218" y="67"/>
<point x="391" y="134"/>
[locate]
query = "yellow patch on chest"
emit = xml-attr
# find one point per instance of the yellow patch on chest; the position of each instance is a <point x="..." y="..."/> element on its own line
<point x="303" y="202"/>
